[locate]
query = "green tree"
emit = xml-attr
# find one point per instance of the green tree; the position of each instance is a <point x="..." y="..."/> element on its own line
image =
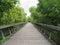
<point x="5" y="6"/>
<point x="51" y="10"/>
<point x="15" y="15"/>
<point x="11" y="13"/>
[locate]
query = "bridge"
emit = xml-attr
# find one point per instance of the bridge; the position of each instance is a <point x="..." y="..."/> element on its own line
<point x="30" y="34"/>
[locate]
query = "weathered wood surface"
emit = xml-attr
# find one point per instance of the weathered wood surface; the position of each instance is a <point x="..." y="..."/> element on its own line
<point x="49" y="26"/>
<point x="28" y="35"/>
<point x="6" y="26"/>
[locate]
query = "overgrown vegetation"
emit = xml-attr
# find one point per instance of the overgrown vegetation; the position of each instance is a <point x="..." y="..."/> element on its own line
<point x="47" y="11"/>
<point x="10" y="12"/>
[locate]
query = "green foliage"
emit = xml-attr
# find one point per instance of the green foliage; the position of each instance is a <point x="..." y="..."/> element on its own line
<point x="47" y="11"/>
<point x="5" y="5"/>
<point x="5" y="39"/>
<point x="34" y="13"/>
<point x="51" y="9"/>
<point x="10" y="13"/>
<point x="15" y="15"/>
<point x="30" y="19"/>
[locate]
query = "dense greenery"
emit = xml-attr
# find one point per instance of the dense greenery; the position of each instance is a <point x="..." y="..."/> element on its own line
<point x="10" y="12"/>
<point x="47" y="11"/>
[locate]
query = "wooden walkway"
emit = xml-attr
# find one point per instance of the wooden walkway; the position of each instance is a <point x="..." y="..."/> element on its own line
<point x="28" y="35"/>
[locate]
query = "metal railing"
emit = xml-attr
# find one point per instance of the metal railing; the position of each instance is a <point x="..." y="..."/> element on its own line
<point x="50" y="31"/>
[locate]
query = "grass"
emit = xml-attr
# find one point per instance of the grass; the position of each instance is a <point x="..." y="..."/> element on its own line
<point x="5" y="39"/>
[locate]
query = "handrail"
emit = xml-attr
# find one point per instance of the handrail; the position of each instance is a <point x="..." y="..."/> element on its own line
<point x="10" y="30"/>
<point x="50" y="31"/>
<point x="6" y="26"/>
<point x="50" y="26"/>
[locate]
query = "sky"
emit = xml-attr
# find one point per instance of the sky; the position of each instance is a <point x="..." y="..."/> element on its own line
<point x="26" y="4"/>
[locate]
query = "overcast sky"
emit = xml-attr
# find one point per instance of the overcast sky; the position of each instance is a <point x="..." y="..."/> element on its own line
<point x="26" y="4"/>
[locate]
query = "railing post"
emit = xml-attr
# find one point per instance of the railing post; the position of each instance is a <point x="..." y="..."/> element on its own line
<point x="41" y="29"/>
<point x="10" y="31"/>
<point x="44" y="32"/>
<point x="2" y="34"/>
<point x="50" y="36"/>
<point x="14" y="30"/>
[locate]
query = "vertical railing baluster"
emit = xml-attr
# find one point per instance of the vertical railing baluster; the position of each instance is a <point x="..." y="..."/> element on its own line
<point x="44" y="32"/>
<point x="50" y="36"/>
<point x="10" y="31"/>
<point x="2" y="34"/>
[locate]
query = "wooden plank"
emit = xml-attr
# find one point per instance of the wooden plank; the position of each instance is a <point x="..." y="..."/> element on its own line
<point x="6" y="26"/>
<point x="28" y="35"/>
<point x="49" y="26"/>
